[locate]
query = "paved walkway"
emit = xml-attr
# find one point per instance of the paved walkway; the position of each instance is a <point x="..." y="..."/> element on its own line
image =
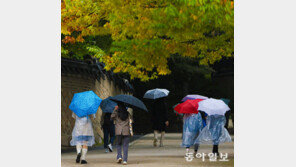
<point x="142" y="153"/>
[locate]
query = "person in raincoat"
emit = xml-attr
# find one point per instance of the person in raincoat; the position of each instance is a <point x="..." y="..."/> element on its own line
<point x="122" y="119"/>
<point x="159" y="120"/>
<point x="82" y="136"/>
<point x="192" y="126"/>
<point x="109" y="131"/>
<point x="214" y="133"/>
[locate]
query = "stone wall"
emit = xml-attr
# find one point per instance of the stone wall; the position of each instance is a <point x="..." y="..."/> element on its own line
<point x="74" y="83"/>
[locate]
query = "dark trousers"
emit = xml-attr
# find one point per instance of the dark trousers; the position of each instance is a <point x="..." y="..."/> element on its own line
<point x="215" y="149"/>
<point x="227" y="114"/>
<point x="122" y="141"/>
<point x="109" y="130"/>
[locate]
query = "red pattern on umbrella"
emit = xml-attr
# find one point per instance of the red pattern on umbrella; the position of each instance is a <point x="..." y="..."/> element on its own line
<point x="188" y="107"/>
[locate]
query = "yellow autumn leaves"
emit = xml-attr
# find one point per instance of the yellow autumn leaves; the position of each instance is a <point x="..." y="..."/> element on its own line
<point x="146" y="33"/>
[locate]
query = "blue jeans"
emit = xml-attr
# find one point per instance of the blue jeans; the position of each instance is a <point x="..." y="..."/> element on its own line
<point x="109" y="130"/>
<point x="122" y="141"/>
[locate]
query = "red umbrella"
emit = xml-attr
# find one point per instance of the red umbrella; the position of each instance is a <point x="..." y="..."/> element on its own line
<point x="188" y="107"/>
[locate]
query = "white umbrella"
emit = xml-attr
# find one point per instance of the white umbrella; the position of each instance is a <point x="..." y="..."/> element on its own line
<point x="156" y="93"/>
<point x="213" y="106"/>
<point x="192" y="97"/>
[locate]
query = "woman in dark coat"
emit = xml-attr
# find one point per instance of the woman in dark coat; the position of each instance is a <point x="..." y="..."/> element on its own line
<point x="159" y="120"/>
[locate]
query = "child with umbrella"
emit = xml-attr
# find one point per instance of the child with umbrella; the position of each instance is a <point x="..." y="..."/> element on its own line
<point x="83" y="104"/>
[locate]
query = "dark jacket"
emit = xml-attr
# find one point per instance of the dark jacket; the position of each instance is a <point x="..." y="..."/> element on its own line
<point x="106" y="120"/>
<point x="159" y="115"/>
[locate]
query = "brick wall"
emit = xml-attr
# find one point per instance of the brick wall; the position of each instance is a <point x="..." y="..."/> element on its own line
<point x="74" y="83"/>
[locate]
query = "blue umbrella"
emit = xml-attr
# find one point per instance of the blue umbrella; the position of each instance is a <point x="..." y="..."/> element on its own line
<point x="156" y="93"/>
<point x="108" y="105"/>
<point x="129" y="101"/>
<point x="85" y="103"/>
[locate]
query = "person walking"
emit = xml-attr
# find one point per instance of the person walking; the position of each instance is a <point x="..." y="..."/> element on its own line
<point x="82" y="137"/>
<point x="216" y="143"/>
<point x="159" y="120"/>
<point x="122" y="119"/>
<point x="109" y="132"/>
<point x="192" y="126"/>
<point x="214" y="133"/>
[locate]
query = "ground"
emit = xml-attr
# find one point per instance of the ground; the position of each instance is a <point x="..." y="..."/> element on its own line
<point x="142" y="153"/>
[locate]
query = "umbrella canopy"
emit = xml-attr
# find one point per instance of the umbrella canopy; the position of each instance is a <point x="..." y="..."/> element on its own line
<point x="213" y="106"/>
<point x="192" y="97"/>
<point x="85" y="103"/>
<point x="187" y="107"/>
<point x="156" y="93"/>
<point x="175" y="110"/>
<point x="226" y="101"/>
<point x="129" y="101"/>
<point x="108" y="105"/>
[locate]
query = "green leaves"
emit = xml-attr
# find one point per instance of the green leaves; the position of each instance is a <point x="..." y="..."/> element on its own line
<point x="96" y="51"/>
<point x="141" y="35"/>
<point x="171" y="11"/>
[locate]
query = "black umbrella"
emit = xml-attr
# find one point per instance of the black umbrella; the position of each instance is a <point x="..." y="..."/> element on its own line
<point x="130" y="101"/>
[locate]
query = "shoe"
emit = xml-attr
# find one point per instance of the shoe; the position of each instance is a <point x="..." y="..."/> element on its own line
<point x="195" y="152"/>
<point x="106" y="150"/>
<point x="155" y="142"/>
<point x="110" y="148"/>
<point x="186" y="152"/>
<point x="83" y="162"/>
<point x="119" y="160"/>
<point x="78" y="158"/>
<point x="124" y="163"/>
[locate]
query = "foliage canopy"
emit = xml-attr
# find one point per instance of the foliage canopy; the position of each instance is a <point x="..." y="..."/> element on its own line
<point x="138" y="36"/>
